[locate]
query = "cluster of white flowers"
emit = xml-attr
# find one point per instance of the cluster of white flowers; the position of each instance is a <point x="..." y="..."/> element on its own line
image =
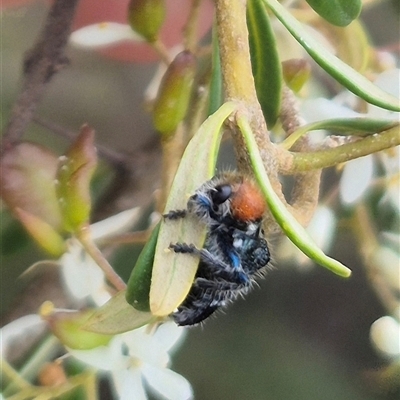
<point x="358" y="177"/>
<point x="135" y="360"/>
<point x="139" y="357"/>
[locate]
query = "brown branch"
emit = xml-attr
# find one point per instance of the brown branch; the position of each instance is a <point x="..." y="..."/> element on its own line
<point x="305" y="192"/>
<point x="41" y="63"/>
<point x="239" y="84"/>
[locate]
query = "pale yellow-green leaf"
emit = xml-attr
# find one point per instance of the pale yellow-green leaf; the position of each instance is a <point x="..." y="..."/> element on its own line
<point x="173" y="273"/>
<point x="117" y="316"/>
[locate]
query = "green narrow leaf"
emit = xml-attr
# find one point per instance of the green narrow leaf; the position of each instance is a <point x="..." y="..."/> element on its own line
<point x="173" y="273"/>
<point x="337" y="12"/>
<point x="216" y="77"/>
<point x="265" y="61"/>
<point x="356" y="126"/>
<point x="339" y="70"/>
<point x="294" y="231"/>
<point x="117" y="316"/>
<point x="138" y="288"/>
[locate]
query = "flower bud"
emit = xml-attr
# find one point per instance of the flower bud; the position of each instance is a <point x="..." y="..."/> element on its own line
<point x="67" y="327"/>
<point x="52" y="374"/>
<point x="146" y="17"/>
<point x="296" y="73"/>
<point x="174" y="93"/>
<point x="74" y="174"/>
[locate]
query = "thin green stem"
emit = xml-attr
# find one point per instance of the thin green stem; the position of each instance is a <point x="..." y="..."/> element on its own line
<point x="84" y="379"/>
<point x="190" y="30"/>
<point x="307" y="161"/>
<point x="44" y="352"/>
<point x="162" y="51"/>
<point x="16" y="380"/>
<point x="85" y="239"/>
<point x="294" y="231"/>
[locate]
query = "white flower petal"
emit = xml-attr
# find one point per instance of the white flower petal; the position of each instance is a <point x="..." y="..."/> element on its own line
<point x="389" y="81"/>
<point x="107" y="358"/>
<point x="18" y="330"/>
<point x="116" y="224"/>
<point x="102" y="35"/>
<point x="385" y="334"/>
<point x="168" y="383"/>
<point x="356" y="178"/>
<point x="146" y="348"/>
<point x="319" y="109"/>
<point x="81" y="275"/>
<point x="129" y="385"/>
<point x="170" y="335"/>
<point x="322" y="227"/>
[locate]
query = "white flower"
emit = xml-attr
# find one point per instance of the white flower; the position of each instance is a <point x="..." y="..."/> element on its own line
<point x="116" y="224"/>
<point x="389" y="81"/>
<point x="18" y="331"/>
<point x="358" y="174"/>
<point x="356" y="178"/>
<point x="102" y="35"/>
<point x="82" y="277"/>
<point x="385" y="335"/>
<point x="137" y="356"/>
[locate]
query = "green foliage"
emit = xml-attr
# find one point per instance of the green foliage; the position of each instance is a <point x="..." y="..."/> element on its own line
<point x="340" y="71"/>
<point x="337" y="12"/>
<point x="172" y="278"/>
<point x="138" y="289"/>
<point x="215" y="97"/>
<point x="265" y="61"/>
<point x="117" y="316"/>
